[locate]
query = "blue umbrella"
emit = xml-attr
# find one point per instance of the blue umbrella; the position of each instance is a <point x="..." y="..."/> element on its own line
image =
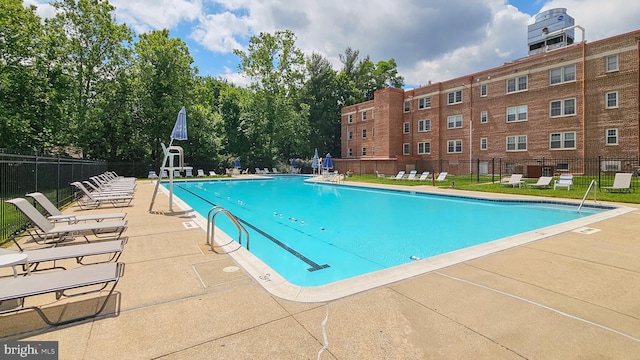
<point x="314" y="163"/>
<point x="327" y="163"/>
<point x="237" y="163"/>
<point x="293" y="163"/>
<point x="180" y="128"/>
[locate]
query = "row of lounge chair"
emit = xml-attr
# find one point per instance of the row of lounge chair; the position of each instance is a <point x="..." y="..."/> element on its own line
<point x="44" y="267"/>
<point x="621" y="182"/>
<point x="413" y="175"/>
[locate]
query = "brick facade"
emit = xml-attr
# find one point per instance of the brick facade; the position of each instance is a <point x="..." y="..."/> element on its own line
<point x="598" y="112"/>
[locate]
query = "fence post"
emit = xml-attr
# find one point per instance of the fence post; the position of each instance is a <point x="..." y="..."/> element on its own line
<point x="599" y="165"/>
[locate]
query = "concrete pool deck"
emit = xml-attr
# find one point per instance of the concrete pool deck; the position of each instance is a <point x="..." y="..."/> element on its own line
<point x="569" y="295"/>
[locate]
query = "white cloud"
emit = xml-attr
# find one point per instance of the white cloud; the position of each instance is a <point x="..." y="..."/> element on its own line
<point x="430" y="40"/>
<point x="145" y="15"/>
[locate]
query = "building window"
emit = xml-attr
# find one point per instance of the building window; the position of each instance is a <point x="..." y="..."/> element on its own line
<point x="562" y="166"/>
<point x="517" y="113"/>
<point x="424" y="125"/>
<point x="454" y="146"/>
<point x="350" y="135"/>
<point x="424" y="103"/>
<point x="364" y="133"/>
<point x="407" y="105"/>
<point x="517" y="84"/>
<point x="483" y="143"/>
<point x="611" y="63"/>
<point x="564" y="107"/>
<point x="517" y="143"/>
<point x="424" y="147"/>
<point x="612" y="136"/>
<point x="350" y="152"/>
<point x="454" y="122"/>
<point x="373" y="113"/>
<point x="405" y="128"/>
<point x="566" y="140"/>
<point x="562" y="75"/>
<point x="612" y="99"/>
<point x="373" y="132"/>
<point x="364" y="116"/>
<point x="364" y="151"/>
<point x="483" y="90"/>
<point x="484" y="117"/>
<point x="454" y="97"/>
<point x="406" y="149"/>
<point x="350" y="118"/>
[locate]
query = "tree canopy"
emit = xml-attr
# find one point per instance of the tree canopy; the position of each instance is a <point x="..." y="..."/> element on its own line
<point x="80" y="81"/>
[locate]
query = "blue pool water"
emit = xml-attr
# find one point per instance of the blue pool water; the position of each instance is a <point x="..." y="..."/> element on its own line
<point x="314" y="234"/>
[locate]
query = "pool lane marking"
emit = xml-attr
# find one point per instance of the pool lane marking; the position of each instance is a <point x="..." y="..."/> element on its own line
<point x="313" y="264"/>
<point x="541" y="305"/>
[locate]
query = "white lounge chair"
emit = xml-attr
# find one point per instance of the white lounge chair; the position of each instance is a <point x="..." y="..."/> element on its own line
<point x="79" y="281"/>
<point x="188" y="173"/>
<point x="165" y="174"/>
<point x="544" y="182"/>
<point x="565" y="180"/>
<point x="398" y="176"/>
<point x="442" y="176"/>
<point x="258" y="171"/>
<point x="621" y="183"/>
<point x="424" y="176"/>
<point x="95" y="250"/>
<point x="152" y="175"/>
<point x="412" y="175"/>
<point x="201" y="173"/>
<point x="379" y="175"/>
<point x="212" y="173"/>
<point x="265" y="171"/>
<point x="514" y="180"/>
<point x="46" y="232"/>
<point x="105" y="185"/>
<point x="275" y="171"/>
<point x="96" y="190"/>
<point x="56" y="215"/>
<point x="88" y="200"/>
<point x="177" y="174"/>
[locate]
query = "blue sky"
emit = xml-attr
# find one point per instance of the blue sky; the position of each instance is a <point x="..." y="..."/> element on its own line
<point x="431" y="40"/>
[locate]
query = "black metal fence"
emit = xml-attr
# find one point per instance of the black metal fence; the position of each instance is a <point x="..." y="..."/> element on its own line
<point x="51" y="175"/>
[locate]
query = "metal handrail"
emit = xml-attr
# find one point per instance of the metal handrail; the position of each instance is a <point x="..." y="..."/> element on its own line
<point x="211" y="226"/>
<point x="584" y="198"/>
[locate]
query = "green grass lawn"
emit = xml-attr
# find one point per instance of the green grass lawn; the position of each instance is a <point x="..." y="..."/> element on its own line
<point x="464" y="182"/>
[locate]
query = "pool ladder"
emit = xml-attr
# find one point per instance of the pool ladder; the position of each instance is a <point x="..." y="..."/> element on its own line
<point x="584" y="198"/>
<point x="211" y="226"/>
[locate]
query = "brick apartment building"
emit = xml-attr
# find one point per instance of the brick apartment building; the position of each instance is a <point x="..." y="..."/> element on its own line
<point x="565" y="102"/>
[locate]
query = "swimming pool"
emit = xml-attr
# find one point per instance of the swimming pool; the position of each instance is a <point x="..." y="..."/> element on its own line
<point x="315" y="234"/>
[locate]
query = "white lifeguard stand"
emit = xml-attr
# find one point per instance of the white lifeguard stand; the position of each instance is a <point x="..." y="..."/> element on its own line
<point x="173" y="157"/>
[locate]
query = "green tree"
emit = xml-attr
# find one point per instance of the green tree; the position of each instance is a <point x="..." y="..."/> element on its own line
<point x="362" y="78"/>
<point x="20" y="87"/>
<point x="323" y="94"/>
<point x="276" y="68"/>
<point x="94" y="53"/>
<point x="164" y="82"/>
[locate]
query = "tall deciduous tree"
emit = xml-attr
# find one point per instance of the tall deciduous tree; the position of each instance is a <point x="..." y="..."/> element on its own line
<point x="164" y="81"/>
<point x="276" y="68"/>
<point x="323" y="95"/>
<point x="94" y="52"/>
<point x="20" y="36"/>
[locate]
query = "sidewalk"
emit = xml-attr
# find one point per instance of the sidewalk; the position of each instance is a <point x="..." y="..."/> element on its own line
<point x="573" y="295"/>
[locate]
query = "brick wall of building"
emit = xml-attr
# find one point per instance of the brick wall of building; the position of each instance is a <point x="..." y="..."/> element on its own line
<point x="584" y="131"/>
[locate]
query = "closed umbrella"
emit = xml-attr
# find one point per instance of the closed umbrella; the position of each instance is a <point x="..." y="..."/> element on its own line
<point x="237" y="163"/>
<point x="327" y="163"/>
<point x="314" y="163"/>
